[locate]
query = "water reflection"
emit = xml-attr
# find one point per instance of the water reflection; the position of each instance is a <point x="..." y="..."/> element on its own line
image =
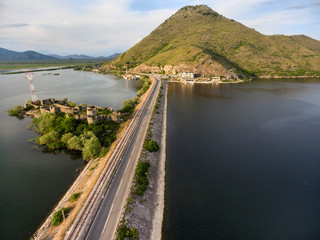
<point x="243" y="161"/>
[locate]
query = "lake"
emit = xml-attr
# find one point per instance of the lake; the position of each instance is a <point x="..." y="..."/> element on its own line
<point x="243" y="161"/>
<point x="32" y="182"/>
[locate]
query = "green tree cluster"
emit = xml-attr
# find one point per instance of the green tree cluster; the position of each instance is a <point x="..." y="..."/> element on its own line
<point x="145" y="86"/>
<point x="129" y="104"/>
<point x="16" y="111"/>
<point x="57" y="131"/>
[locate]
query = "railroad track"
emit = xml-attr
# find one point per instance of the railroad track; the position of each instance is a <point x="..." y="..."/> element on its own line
<point x="85" y="217"/>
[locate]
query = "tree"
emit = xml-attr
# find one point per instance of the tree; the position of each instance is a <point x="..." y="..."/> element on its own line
<point x="74" y="143"/>
<point x="128" y="105"/>
<point x="69" y="124"/>
<point x="57" y="217"/>
<point x="86" y="136"/>
<point x="135" y="99"/>
<point x="66" y="137"/>
<point x="72" y="104"/>
<point x="46" y="123"/>
<point x="91" y="148"/>
<point x="15" y="111"/>
<point x="51" y="140"/>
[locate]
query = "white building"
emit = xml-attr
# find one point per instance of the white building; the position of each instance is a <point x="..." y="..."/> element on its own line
<point x="187" y="75"/>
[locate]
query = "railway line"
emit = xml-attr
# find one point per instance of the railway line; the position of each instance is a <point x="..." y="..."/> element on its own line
<point x="86" y="216"/>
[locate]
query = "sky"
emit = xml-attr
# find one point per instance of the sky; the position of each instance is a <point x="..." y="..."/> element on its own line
<point x="104" y="27"/>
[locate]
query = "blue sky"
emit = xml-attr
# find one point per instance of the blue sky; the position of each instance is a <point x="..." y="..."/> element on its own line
<point x="103" y="27"/>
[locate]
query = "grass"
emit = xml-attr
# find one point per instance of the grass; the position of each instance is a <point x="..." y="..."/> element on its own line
<point x="198" y="35"/>
<point x="74" y="197"/>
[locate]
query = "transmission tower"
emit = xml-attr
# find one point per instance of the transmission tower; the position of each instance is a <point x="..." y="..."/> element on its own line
<point x="32" y="89"/>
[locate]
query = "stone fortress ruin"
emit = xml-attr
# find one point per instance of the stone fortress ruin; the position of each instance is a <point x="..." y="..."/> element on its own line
<point x="92" y="114"/>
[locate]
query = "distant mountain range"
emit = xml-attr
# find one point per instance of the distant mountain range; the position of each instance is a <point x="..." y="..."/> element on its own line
<point x="200" y="40"/>
<point x="82" y="57"/>
<point x="12" y="56"/>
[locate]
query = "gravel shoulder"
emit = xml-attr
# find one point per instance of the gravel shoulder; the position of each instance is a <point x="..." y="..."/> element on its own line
<point x="146" y="213"/>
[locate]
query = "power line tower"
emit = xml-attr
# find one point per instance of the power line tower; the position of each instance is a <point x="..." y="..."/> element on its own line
<point x="32" y="89"/>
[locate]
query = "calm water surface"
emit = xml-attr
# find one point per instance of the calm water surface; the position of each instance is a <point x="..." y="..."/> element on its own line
<point x="31" y="182"/>
<point x="243" y="161"/>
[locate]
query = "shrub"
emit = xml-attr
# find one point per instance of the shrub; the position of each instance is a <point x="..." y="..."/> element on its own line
<point x="72" y="104"/>
<point x="74" y="197"/>
<point x="124" y="232"/>
<point x="141" y="174"/>
<point x="103" y="152"/>
<point x="27" y="108"/>
<point x="15" y="111"/>
<point x="151" y="146"/>
<point x="58" y="216"/>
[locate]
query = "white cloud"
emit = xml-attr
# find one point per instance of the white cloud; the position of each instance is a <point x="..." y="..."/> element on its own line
<point x="102" y="27"/>
<point x="97" y="28"/>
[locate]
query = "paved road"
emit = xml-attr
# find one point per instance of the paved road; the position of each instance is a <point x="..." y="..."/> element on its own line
<point x="109" y="213"/>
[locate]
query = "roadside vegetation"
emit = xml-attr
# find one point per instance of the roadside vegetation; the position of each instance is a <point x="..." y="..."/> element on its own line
<point x="150" y="145"/>
<point x="125" y="232"/>
<point x="74" y="197"/>
<point x="59" y="216"/>
<point x="140" y="181"/>
<point x="130" y="104"/>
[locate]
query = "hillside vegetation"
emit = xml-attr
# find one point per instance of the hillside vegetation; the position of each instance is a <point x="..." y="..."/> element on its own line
<point x="200" y="40"/>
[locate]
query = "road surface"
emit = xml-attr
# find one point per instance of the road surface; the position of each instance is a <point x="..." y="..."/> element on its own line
<point x="108" y="216"/>
<point x="101" y="212"/>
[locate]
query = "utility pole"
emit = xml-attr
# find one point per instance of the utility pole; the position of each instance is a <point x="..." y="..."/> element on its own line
<point x="29" y="75"/>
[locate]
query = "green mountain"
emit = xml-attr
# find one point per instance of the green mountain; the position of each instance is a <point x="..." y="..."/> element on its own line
<point x="200" y="40"/>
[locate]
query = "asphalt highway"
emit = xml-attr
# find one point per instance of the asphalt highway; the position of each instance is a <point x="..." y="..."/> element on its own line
<point x="109" y="213"/>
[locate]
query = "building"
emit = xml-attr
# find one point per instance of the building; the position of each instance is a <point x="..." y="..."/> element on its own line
<point x="115" y="117"/>
<point x="129" y="76"/>
<point x="187" y="75"/>
<point x="44" y="110"/>
<point x="54" y="109"/>
<point x="91" y="111"/>
<point x="80" y="117"/>
<point x="46" y="102"/>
